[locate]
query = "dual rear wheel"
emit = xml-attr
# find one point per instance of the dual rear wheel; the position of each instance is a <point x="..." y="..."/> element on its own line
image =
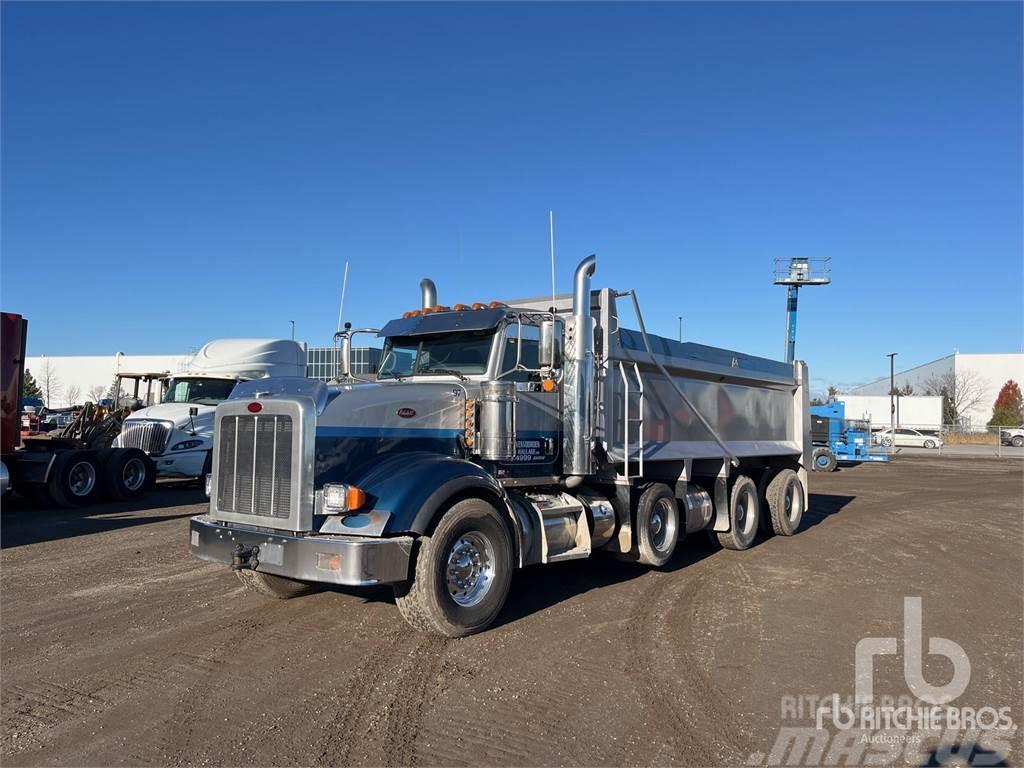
<point x="777" y="509"/>
<point x="80" y="477"/>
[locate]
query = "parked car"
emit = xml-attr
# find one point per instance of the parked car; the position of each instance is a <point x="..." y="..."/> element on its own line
<point x="1014" y="437"/>
<point x="56" y="421"/>
<point x="909" y="438"/>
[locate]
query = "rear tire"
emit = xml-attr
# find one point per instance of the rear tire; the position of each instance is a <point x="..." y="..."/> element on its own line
<point x="74" y="478"/>
<point x="269" y="585"/>
<point x="127" y="473"/>
<point x="823" y="460"/>
<point x="744" y="509"/>
<point x="785" y="496"/>
<point x="657" y="525"/>
<point x="463" y="572"/>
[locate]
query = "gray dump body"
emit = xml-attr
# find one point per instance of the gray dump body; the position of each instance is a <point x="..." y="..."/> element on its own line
<point x="756" y="406"/>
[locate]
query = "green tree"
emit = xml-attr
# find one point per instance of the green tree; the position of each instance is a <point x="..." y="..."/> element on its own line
<point x="32" y="386"/>
<point x="1008" y="410"/>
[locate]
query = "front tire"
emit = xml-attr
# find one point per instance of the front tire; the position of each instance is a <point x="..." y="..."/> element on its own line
<point x="929" y="444"/>
<point x="823" y="460"/>
<point x="463" y="572"/>
<point x="744" y="510"/>
<point x="277" y="587"/>
<point x="1017" y="441"/>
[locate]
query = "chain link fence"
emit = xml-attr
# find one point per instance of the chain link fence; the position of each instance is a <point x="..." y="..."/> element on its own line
<point x="983" y="441"/>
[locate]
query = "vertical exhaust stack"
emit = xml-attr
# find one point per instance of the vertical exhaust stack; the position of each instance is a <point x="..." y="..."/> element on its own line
<point x="429" y="292"/>
<point x="578" y="418"/>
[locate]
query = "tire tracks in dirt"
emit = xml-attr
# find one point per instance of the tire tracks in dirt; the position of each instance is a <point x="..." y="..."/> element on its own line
<point x="675" y="630"/>
<point x="384" y="702"/>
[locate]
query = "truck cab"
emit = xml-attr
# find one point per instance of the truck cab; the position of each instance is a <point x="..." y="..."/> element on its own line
<point x="177" y="433"/>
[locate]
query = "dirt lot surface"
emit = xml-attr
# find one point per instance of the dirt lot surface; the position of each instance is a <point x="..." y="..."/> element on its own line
<point x="117" y="648"/>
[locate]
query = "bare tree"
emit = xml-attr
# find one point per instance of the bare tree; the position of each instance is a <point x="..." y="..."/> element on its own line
<point x="96" y="392"/>
<point x="73" y="394"/>
<point x="49" y="382"/>
<point x="960" y="390"/>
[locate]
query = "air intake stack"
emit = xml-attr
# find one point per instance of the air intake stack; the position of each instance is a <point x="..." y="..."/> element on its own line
<point x="429" y="293"/>
<point x="578" y="418"/>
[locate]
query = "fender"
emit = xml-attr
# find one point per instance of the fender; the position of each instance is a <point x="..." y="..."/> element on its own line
<point x="413" y="487"/>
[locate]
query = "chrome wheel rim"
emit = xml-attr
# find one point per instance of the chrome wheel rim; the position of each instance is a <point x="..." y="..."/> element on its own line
<point x="470" y="569"/>
<point x="82" y="478"/>
<point x="134" y="474"/>
<point x="662" y="525"/>
<point x="744" y="520"/>
<point x="794" y="501"/>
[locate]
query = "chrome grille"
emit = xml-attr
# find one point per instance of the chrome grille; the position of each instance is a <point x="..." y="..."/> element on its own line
<point x="148" y="436"/>
<point x="254" y="469"/>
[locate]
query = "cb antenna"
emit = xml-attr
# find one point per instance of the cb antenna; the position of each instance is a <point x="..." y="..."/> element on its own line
<point x="341" y="302"/>
<point x="551" y="240"/>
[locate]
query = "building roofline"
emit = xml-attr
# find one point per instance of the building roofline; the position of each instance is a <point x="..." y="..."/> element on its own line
<point x="883" y="379"/>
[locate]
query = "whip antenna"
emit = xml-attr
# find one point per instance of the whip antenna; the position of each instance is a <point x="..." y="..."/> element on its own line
<point x="551" y="238"/>
<point x="341" y="302"/>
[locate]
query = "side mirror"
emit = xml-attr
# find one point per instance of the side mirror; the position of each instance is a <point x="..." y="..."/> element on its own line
<point x="193" y="411"/>
<point x="550" y="352"/>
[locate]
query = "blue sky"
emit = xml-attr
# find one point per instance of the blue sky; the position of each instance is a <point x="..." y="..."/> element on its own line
<point x="179" y="172"/>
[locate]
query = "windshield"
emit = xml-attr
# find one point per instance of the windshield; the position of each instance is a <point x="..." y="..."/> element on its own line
<point x="200" y="391"/>
<point x="457" y="354"/>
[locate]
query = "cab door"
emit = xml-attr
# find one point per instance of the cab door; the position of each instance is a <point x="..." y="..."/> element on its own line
<point x="538" y="413"/>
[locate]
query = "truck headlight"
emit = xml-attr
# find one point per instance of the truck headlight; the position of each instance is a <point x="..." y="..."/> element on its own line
<point x="342" y="497"/>
<point x="186" y="445"/>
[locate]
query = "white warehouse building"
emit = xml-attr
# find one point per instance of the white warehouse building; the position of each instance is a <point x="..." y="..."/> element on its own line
<point x="75" y="379"/>
<point x="978" y="376"/>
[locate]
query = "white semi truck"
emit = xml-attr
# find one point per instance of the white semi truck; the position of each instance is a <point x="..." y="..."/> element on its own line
<point x="177" y="434"/>
<point x="480" y="447"/>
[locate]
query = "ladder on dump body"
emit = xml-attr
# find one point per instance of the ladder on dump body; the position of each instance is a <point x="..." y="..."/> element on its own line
<point x="628" y="420"/>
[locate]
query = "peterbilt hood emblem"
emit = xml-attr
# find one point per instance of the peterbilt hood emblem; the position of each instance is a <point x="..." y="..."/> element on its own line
<point x="406" y="413"/>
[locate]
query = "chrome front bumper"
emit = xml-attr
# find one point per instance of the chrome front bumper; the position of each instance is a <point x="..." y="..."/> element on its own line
<point x="350" y="560"/>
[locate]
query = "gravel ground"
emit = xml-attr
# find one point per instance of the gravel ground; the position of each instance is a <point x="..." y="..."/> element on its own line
<point x="117" y="648"/>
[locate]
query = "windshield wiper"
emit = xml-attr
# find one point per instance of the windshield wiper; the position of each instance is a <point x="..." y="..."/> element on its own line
<point x="442" y="371"/>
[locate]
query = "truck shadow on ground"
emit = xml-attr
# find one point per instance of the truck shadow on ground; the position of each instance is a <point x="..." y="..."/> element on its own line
<point x="25" y="523"/>
<point x="821" y="507"/>
<point x="537" y="588"/>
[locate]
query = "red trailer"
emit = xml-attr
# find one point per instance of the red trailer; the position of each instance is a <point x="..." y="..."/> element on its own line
<point x="60" y="471"/>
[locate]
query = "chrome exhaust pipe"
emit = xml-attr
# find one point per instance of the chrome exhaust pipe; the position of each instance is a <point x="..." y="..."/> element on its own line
<point x="581" y="286"/>
<point x="578" y="418"/>
<point x="429" y="292"/>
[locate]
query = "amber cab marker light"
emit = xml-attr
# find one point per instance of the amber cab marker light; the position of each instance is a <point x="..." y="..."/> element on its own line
<point x="355" y="497"/>
<point x="549" y="385"/>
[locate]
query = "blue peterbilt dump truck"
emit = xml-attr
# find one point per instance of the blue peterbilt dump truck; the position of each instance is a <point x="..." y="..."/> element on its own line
<point x="495" y="437"/>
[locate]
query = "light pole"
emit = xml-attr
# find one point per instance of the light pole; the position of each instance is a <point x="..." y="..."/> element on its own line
<point x="892" y="397"/>
<point x="680" y="328"/>
<point x="293" y="329"/>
